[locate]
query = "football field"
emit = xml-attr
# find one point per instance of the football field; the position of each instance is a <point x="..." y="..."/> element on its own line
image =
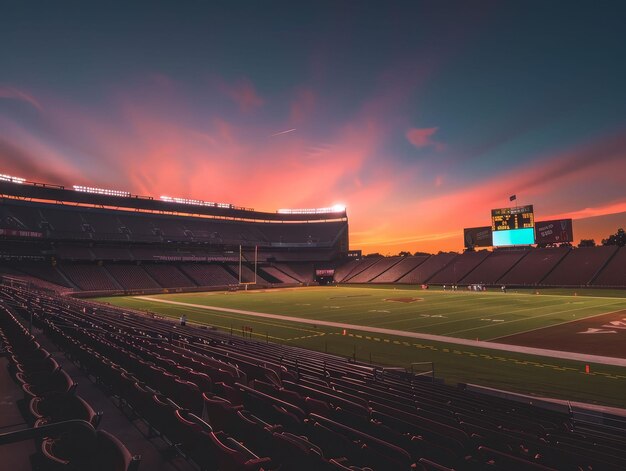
<point x="478" y="337"/>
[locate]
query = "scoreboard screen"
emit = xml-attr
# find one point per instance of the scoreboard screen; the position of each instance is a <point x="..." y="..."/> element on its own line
<point x="506" y="219"/>
<point x="513" y="226"/>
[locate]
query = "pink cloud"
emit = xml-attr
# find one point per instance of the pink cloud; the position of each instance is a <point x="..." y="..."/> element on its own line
<point x="150" y="152"/>
<point x="422" y="137"/>
<point x="559" y="185"/>
<point x="157" y="142"/>
<point x="595" y="211"/>
<point x="244" y="94"/>
<point x="12" y="93"/>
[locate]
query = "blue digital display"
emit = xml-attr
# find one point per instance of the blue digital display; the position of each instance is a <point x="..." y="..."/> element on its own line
<point x="524" y="236"/>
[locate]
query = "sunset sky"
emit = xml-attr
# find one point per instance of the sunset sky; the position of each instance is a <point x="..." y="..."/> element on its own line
<point x="419" y="116"/>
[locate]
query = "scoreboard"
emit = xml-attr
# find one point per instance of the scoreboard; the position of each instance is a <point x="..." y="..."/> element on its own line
<point x="506" y="219"/>
<point x="513" y="226"/>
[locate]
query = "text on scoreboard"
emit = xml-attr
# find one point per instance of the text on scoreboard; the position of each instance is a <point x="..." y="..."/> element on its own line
<point x="506" y="219"/>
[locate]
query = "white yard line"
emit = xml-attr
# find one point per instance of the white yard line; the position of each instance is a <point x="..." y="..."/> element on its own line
<point x="400" y="333"/>
<point x="492" y="292"/>
<point x="557" y="324"/>
<point x="524" y="319"/>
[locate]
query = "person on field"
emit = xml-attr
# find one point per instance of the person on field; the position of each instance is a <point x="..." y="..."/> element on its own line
<point x="183" y="320"/>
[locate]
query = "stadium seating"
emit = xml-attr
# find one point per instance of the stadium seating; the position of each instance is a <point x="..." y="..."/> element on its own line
<point x="534" y="267"/>
<point x="208" y="275"/>
<point x="374" y="270"/>
<point x="105" y="225"/>
<point x="279" y="275"/>
<point x="613" y="275"/>
<point x="89" y="277"/>
<point x="168" y="276"/>
<point x="85" y="223"/>
<point x="131" y="276"/>
<point x="424" y="271"/>
<point x="354" y="267"/>
<point x="62" y="406"/>
<point x="494" y="267"/>
<point x="66" y="223"/>
<point x="269" y="406"/>
<point x="580" y="266"/>
<point x="56" y="410"/>
<point x="247" y="273"/>
<point x="302" y="272"/>
<point x="459" y="267"/>
<point x="405" y="265"/>
<point x="45" y="271"/>
<point x="99" y="452"/>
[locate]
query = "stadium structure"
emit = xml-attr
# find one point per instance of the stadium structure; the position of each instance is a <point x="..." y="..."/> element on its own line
<point x="89" y="239"/>
<point x="150" y="379"/>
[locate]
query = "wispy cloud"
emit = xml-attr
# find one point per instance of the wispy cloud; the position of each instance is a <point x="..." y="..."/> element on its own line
<point x="244" y="94"/>
<point x="423" y="137"/>
<point x="158" y="140"/>
<point x="12" y="93"/>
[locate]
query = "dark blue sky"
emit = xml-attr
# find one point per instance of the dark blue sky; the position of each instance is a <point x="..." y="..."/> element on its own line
<point x="399" y="109"/>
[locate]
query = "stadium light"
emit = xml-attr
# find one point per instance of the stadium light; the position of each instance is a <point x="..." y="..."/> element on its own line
<point x="101" y="191"/>
<point x="9" y="178"/>
<point x="193" y="202"/>
<point x="338" y="208"/>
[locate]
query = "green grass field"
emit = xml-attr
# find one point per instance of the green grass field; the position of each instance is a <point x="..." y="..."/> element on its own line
<point x="461" y="314"/>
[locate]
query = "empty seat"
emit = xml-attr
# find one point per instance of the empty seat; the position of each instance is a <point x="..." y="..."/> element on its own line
<point x="57" y="382"/>
<point x="98" y="452"/>
<point x="58" y="407"/>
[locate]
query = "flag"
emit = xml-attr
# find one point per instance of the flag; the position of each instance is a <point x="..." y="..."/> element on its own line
<point x="512" y="197"/>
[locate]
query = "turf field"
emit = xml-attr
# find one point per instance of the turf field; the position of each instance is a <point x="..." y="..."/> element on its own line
<point x="382" y="321"/>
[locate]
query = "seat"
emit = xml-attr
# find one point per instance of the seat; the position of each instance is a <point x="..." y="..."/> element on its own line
<point x="194" y="440"/>
<point x="295" y="452"/>
<point x="217" y="411"/>
<point x="187" y="395"/>
<point x="58" y="407"/>
<point x="504" y="461"/>
<point x="57" y="382"/>
<point x="36" y="374"/>
<point x="234" y="456"/>
<point x="99" y="451"/>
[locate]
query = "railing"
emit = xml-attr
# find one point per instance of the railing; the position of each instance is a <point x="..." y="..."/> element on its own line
<point x="430" y="372"/>
<point x="50" y="430"/>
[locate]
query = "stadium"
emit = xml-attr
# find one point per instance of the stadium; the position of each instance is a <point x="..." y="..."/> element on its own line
<point x="312" y="236"/>
<point x="252" y="340"/>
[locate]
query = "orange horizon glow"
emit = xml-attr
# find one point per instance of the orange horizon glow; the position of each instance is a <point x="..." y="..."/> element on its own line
<point x="148" y="144"/>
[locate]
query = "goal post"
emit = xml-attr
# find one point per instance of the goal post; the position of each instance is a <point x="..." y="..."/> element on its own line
<point x="256" y="263"/>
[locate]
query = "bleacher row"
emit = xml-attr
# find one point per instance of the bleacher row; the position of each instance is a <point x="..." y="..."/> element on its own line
<point x="129" y="277"/>
<point x="84" y="223"/>
<point x="562" y="266"/>
<point x="49" y="393"/>
<point x="229" y="403"/>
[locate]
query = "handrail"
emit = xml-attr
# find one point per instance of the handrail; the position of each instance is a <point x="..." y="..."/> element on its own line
<point x="424" y="373"/>
<point x="46" y="431"/>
